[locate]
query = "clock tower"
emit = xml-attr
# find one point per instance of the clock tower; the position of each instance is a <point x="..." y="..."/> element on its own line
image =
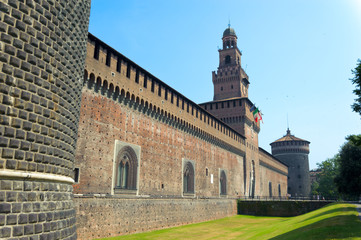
<point x="230" y="80"/>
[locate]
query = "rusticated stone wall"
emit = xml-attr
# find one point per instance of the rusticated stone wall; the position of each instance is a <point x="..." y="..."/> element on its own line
<point x="43" y="45"/>
<point x="104" y="217"/>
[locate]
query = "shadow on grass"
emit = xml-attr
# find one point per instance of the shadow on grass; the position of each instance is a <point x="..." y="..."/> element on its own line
<point x="339" y="209"/>
<point x="338" y="227"/>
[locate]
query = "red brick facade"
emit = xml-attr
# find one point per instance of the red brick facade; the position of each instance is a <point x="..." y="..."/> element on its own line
<point x="124" y="106"/>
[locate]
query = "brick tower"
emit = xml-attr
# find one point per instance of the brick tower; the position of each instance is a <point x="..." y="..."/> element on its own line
<point x="294" y="152"/>
<point x="230" y="80"/>
<point x="43" y="46"/>
<point x="232" y="105"/>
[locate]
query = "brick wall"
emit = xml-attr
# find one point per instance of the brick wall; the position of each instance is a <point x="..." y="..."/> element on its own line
<point x="41" y="67"/>
<point x="99" y="217"/>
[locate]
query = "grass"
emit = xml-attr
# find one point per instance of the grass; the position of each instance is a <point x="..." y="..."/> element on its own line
<point x="335" y="221"/>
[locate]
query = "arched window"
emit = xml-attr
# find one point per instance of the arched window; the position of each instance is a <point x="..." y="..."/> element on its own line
<point x="223" y="183"/>
<point x="188" y="178"/>
<point x="227" y="59"/>
<point x="127" y="165"/>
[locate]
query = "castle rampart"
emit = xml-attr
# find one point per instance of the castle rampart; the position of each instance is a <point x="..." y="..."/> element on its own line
<point x="178" y="153"/>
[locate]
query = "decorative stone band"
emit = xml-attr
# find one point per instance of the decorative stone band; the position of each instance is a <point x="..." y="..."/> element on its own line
<point x="11" y="174"/>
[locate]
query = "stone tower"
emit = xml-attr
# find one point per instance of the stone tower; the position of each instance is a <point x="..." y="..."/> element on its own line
<point x="43" y="47"/>
<point x="294" y="152"/>
<point x="232" y="105"/>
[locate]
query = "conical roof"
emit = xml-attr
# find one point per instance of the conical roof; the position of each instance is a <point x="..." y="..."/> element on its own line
<point x="288" y="137"/>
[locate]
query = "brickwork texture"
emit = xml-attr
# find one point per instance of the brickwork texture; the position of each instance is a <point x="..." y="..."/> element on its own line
<point x="125" y="106"/>
<point x="43" y="45"/>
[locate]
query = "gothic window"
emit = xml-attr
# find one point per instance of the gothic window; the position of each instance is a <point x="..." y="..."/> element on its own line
<point x="127" y="168"/>
<point x="188" y="178"/>
<point x="223" y="183"/>
<point x="227" y="59"/>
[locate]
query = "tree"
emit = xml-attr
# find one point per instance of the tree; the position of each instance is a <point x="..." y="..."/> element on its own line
<point x="348" y="180"/>
<point x="356" y="107"/>
<point x="325" y="185"/>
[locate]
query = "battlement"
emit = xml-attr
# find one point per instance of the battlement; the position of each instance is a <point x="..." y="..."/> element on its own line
<point x="127" y="82"/>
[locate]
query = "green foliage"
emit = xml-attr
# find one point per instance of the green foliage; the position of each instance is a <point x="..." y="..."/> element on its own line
<point x="356" y="107"/>
<point x="325" y="186"/>
<point x="348" y="180"/>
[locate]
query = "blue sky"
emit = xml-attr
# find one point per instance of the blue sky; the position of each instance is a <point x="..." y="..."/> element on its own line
<point x="298" y="55"/>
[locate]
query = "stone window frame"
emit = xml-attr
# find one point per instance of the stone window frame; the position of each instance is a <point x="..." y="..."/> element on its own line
<point x="132" y="153"/>
<point x="223" y="183"/>
<point x="186" y="164"/>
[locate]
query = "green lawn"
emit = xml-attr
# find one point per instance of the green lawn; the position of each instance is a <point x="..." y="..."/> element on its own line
<point x="335" y="221"/>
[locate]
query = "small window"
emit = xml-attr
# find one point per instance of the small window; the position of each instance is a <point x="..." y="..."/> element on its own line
<point x="128" y="70"/>
<point x="96" y="51"/>
<point x="221" y="88"/>
<point x="152" y="87"/>
<point x="119" y="64"/>
<point x="137" y="76"/>
<point x="223" y="183"/>
<point x="270" y="189"/>
<point x="159" y="90"/>
<point x="108" y="58"/>
<point x="206" y="171"/>
<point x="76" y="175"/>
<point x="145" y="83"/>
<point x="227" y="59"/>
<point x="279" y="190"/>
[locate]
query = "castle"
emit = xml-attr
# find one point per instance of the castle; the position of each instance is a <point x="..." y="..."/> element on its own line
<point x="137" y="154"/>
<point x="151" y="157"/>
